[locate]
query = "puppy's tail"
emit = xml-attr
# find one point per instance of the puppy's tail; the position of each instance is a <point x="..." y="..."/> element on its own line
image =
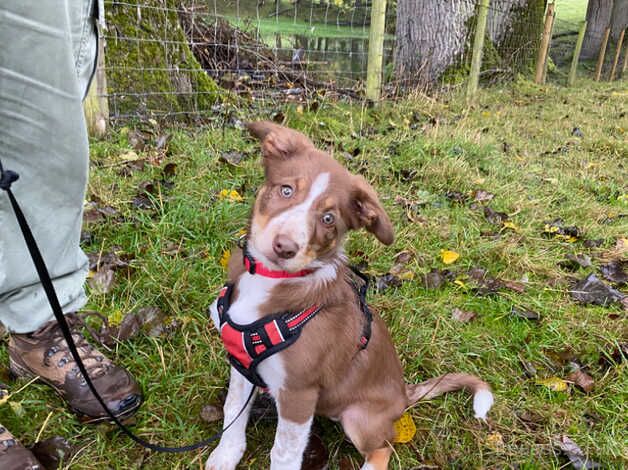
<point x="482" y="396"/>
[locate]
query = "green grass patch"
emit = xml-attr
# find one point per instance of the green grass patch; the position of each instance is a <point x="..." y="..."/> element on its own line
<point x="517" y="145"/>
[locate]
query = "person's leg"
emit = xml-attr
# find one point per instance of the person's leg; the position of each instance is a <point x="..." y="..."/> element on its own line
<point x="46" y="59"/>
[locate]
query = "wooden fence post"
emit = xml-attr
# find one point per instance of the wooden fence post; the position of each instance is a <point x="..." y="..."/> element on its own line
<point x="376" y="50"/>
<point x="600" y="58"/>
<point x="95" y="106"/>
<point x="576" y="55"/>
<point x="541" y="59"/>
<point x="620" y="42"/>
<point x="623" y="68"/>
<point x="478" y="46"/>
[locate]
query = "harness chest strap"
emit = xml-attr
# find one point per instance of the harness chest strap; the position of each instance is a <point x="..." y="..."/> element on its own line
<point x="248" y="345"/>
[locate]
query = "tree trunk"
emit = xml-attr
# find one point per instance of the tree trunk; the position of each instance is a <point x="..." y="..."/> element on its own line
<point x="598" y="19"/>
<point x="436" y="37"/>
<point x="619" y="18"/>
<point x="430" y="37"/>
<point x="151" y="70"/>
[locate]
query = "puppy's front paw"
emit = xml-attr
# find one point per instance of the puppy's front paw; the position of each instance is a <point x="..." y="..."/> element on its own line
<point x="224" y="457"/>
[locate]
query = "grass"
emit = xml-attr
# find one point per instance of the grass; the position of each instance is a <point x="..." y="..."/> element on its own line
<point x="518" y="145"/>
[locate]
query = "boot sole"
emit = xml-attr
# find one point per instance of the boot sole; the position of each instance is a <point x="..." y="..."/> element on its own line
<point x="19" y="371"/>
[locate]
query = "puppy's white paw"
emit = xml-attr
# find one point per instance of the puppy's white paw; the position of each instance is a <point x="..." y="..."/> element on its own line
<point x="224" y="457"/>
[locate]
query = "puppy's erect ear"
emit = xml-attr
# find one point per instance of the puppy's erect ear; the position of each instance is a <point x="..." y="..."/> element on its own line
<point x="367" y="211"/>
<point x="277" y="141"/>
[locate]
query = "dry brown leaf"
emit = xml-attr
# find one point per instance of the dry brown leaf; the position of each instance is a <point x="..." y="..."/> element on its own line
<point x="462" y="315"/>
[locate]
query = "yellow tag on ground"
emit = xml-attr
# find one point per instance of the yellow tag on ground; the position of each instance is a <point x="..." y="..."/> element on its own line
<point x="405" y="429"/>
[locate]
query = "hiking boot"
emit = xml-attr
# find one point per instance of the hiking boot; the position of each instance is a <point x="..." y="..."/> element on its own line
<point x="45" y="354"/>
<point x="13" y="455"/>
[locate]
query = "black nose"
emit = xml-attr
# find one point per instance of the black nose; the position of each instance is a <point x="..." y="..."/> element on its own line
<point x="284" y="247"/>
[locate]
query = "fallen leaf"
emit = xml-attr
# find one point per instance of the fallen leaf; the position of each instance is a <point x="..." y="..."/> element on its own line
<point x="495" y="441"/>
<point x="434" y="279"/>
<point x="514" y="286"/>
<point x="102" y="281"/>
<point x="448" y="256"/>
<point x="231" y="195"/>
<point x="264" y="408"/>
<point x="555" y="384"/>
<point x="557" y="230"/>
<point x="575" y="262"/>
<point x="169" y="170"/>
<point x="615" y="271"/>
<point x="524" y="313"/>
<point x="52" y="452"/>
<point x="581" y="378"/>
<point x="400" y="269"/>
<point x="233" y="157"/>
<point x="482" y="196"/>
<point x="224" y="259"/>
<point x="211" y="413"/>
<point x="593" y="243"/>
<point x="161" y="142"/>
<point x="592" y="290"/>
<point x="386" y="281"/>
<point x="154" y="321"/>
<point x="462" y="315"/>
<point x="494" y="217"/>
<point x="457" y="197"/>
<point x="576" y="132"/>
<point x="315" y="456"/>
<point x="510" y="225"/>
<point x="576" y="456"/>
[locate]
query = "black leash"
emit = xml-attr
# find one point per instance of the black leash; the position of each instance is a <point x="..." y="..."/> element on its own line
<point x="8" y="177"/>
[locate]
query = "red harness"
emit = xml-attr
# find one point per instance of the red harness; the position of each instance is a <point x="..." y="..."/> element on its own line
<point x="248" y="345"/>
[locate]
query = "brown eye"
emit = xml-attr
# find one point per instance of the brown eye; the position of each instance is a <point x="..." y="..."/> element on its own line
<point x="286" y="191"/>
<point x="328" y="218"/>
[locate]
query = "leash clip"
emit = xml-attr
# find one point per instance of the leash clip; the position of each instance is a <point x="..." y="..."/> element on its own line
<point x="7" y="178"/>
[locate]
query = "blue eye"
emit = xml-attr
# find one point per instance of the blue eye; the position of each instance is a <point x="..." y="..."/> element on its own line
<point x="328" y="218"/>
<point x="286" y="191"/>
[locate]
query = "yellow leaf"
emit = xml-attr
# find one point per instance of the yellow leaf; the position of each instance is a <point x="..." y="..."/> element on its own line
<point x="406" y="275"/>
<point x="224" y="259"/>
<point x="116" y="317"/>
<point x="405" y="429"/>
<point x="449" y="256"/>
<point x="486" y="114"/>
<point x="232" y="195"/>
<point x="510" y="225"/>
<point x="555" y="384"/>
<point x="299" y="109"/>
<point x="129" y="156"/>
<point x="550" y="228"/>
<point x="495" y="440"/>
<point x="460" y="283"/>
<point x="242" y="232"/>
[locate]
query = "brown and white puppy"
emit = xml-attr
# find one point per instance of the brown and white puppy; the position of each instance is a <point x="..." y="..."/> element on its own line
<point x="301" y="215"/>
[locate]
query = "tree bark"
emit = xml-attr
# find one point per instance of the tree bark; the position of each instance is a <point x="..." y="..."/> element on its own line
<point x="436" y="36"/>
<point x="619" y="18"/>
<point x="598" y="19"/>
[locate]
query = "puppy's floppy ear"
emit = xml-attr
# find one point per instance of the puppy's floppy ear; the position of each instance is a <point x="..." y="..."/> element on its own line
<point x="277" y="141"/>
<point x="367" y="211"/>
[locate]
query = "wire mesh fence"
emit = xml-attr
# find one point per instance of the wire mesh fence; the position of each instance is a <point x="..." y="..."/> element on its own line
<point x="175" y="58"/>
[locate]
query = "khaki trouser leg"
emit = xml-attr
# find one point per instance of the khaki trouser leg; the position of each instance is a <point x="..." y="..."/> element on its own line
<point x="47" y="56"/>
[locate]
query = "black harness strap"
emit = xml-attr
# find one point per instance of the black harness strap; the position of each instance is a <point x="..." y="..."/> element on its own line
<point x="7" y="177"/>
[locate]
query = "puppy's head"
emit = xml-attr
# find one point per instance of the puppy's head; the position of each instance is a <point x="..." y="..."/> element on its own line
<point x="308" y="203"/>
